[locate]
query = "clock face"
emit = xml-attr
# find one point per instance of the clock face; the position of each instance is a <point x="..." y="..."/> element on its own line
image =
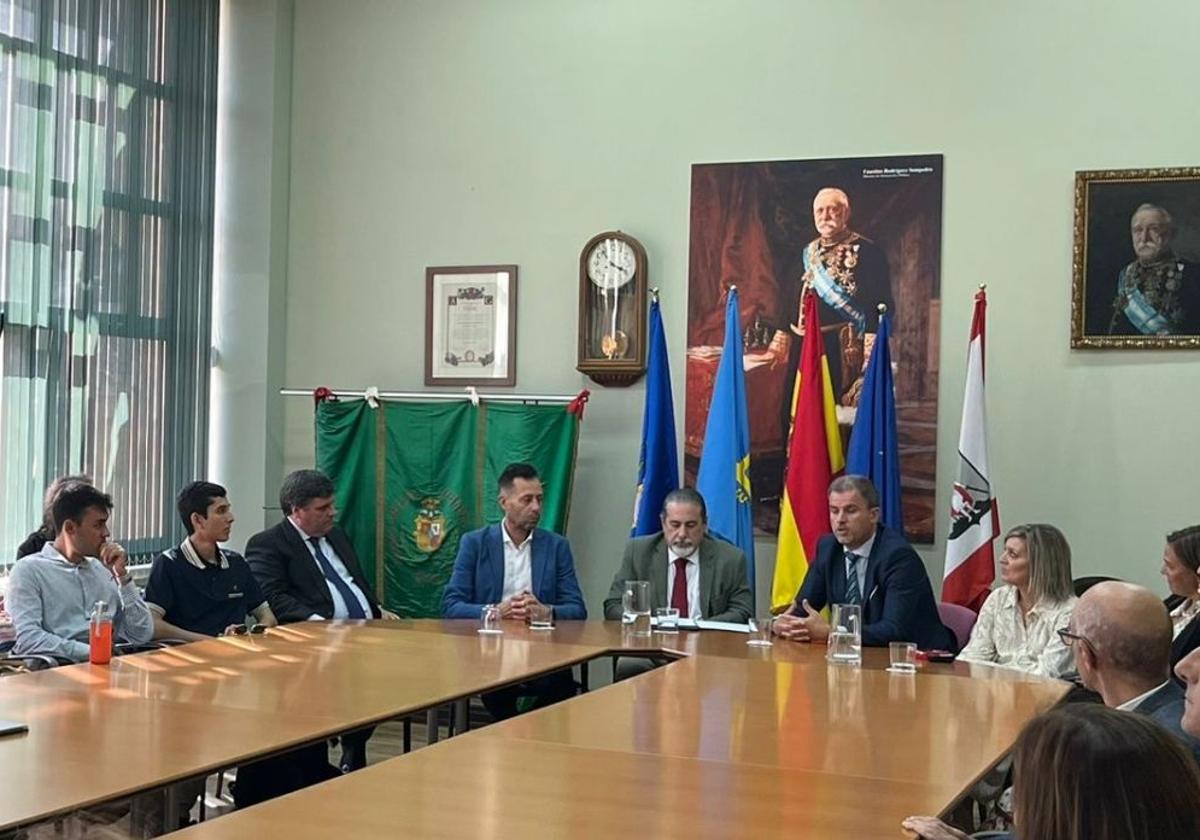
<point x="612" y="263"/>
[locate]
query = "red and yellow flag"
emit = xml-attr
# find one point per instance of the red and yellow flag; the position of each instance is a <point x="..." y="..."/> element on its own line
<point x="814" y="457"/>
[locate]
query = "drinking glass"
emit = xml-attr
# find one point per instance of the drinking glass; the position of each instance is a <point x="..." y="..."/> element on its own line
<point x="668" y="619"/>
<point x="489" y="620"/>
<point x="903" y="657"/>
<point x="541" y="617"/>
<point x="845" y="635"/>
<point x="760" y="631"/>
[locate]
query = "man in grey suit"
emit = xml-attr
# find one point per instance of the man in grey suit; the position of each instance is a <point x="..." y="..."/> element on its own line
<point x="702" y="577"/>
<point x="1121" y="636"/>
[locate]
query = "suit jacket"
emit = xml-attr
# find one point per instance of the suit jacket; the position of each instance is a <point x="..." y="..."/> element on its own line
<point x="290" y="578"/>
<point x="724" y="589"/>
<point x="1166" y="707"/>
<point x="478" y="576"/>
<point x="1186" y="642"/>
<point x="898" y="603"/>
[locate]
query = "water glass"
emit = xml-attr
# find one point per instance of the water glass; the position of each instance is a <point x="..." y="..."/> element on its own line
<point x="903" y="656"/>
<point x="541" y="617"/>
<point x="667" y="619"/>
<point x="845" y="635"/>
<point x="638" y="594"/>
<point x="489" y="620"/>
<point x="760" y="631"/>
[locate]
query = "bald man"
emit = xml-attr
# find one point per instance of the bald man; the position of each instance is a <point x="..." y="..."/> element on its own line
<point x="849" y="274"/>
<point x="1121" y="635"/>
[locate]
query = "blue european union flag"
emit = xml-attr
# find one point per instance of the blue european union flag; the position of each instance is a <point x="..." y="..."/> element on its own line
<point x="658" y="463"/>
<point x="874" y="447"/>
<point x="724" y="477"/>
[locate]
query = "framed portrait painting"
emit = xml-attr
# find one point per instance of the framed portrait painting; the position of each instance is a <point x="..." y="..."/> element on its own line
<point x="471" y="325"/>
<point x="1136" y="260"/>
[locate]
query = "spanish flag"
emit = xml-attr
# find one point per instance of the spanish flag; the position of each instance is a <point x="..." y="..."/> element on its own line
<point x="814" y="458"/>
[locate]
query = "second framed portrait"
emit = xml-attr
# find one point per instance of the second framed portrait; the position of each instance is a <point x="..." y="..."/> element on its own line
<point x="1136" y="260"/>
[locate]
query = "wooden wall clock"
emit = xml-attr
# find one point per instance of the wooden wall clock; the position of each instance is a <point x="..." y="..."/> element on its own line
<point x="612" y="309"/>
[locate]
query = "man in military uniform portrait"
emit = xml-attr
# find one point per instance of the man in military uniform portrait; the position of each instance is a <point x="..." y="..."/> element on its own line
<point x="1159" y="292"/>
<point x="849" y="274"/>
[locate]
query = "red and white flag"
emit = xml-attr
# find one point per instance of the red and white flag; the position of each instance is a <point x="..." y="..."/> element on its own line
<point x="974" y="518"/>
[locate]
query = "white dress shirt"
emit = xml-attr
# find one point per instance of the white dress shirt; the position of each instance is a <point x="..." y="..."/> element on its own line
<point x="1132" y="704"/>
<point x="518" y="565"/>
<point x="692" y="571"/>
<point x="863" y="552"/>
<point x="1032" y="644"/>
<point x="339" y="604"/>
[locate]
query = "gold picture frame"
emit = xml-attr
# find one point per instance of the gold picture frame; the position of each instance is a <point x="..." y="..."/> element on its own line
<point x="1136" y="259"/>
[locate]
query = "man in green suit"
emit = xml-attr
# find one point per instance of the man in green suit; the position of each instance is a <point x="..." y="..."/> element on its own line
<point x="701" y="576"/>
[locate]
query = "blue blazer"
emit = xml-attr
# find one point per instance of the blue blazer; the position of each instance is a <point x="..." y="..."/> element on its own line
<point x="478" y="576"/>
<point x="898" y="603"/>
<point x="1166" y="707"/>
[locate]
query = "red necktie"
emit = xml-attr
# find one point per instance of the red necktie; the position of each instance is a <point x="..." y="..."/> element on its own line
<point x="679" y="599"/>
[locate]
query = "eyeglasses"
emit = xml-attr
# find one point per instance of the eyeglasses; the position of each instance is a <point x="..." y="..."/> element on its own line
<point x="251" y="629"/>
<point x="1070" y="638"/>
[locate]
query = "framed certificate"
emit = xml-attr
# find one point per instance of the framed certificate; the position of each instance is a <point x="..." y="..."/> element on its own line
<point x="471" y="325"/>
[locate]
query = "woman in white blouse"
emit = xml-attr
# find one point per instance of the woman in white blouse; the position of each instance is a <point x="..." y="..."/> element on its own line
<point x="1019" y="623"/>
<point x="1181" y="562"/>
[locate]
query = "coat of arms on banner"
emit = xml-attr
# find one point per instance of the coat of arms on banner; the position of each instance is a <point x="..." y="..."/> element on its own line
<point x="429" y="525"/>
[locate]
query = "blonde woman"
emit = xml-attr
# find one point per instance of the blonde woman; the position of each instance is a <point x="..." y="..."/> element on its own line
<point x="1019" y="623"/>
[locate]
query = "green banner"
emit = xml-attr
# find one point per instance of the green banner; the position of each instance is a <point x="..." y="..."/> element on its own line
<point x="411" y="478"/>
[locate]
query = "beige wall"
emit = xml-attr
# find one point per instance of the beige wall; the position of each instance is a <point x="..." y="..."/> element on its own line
<point x="433" y="133"/>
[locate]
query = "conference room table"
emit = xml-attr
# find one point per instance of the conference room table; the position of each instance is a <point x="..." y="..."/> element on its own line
<point x="730" y="740"/>
<point x="103" y="733"/>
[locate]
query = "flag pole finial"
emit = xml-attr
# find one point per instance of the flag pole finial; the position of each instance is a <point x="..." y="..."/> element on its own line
<point x="654" y="293"/>
<point x="983" y="287"/>
<point x="882" y="308"/>
<point x="733" y="287"/>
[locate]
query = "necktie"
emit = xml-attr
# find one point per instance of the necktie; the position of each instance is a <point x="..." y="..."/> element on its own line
<point x="853" y="596"/>
<point x="679" y="598"/>
<point x="353" y="605"/>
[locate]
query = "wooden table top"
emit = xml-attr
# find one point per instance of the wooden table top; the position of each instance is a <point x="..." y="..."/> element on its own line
<point x="734" y="740"/>
<point x="101" y="732"/>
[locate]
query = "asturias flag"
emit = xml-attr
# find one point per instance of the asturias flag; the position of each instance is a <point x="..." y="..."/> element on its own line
<point x="814" y="458"/>
<point x="658" y="463"/>
<point x="874" y="448"/>
<point x="724" y="477"/>
<point x="974" y="518"/>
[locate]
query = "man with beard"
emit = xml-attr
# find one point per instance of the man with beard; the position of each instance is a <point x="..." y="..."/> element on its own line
<point x="700" y="576"/>
<point x="1159" y="292"/>
<point x="516" y="566"/>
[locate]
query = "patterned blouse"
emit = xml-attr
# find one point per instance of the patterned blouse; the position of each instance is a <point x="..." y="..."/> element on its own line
<point x="1183" y="614"/>
<point x="1001" y="636"/>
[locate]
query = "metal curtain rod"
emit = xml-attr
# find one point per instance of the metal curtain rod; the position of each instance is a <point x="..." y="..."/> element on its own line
<point x="433" y="395"/>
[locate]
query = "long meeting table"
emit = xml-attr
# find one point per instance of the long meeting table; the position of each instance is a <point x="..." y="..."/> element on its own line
<point x="731" y="740"/>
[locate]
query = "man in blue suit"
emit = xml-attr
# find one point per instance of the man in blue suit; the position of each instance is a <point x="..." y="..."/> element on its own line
<point x="863" y="562"/>
<point x="515" y="565"/>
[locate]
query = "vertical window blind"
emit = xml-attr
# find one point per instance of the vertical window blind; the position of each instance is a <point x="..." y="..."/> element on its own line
<point x="107" y="144"/>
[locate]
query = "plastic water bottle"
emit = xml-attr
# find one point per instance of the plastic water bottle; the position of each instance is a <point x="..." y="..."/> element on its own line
<point x="100" y="636"/>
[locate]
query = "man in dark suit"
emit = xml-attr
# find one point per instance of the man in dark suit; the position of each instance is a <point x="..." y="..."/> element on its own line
<point x="704" y="578"/>
<point x="515" y="566"/>
<point x="863" y="562"/>
<point x="308" y="570"/>
<point x="1121" y="637"/>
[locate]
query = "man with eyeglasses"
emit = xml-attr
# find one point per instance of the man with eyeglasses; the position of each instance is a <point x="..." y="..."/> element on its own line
<point x="1121" y="637"/>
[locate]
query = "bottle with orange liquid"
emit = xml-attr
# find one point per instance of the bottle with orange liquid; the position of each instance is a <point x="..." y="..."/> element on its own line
<point x="100" y="637"/>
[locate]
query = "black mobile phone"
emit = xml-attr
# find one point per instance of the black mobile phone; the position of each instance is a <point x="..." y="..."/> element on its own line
<point x="939" y="656"/>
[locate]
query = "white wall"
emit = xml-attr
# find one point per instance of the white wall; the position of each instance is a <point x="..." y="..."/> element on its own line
<point x="456" y="132"/>
<point x="250" y="265"/>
